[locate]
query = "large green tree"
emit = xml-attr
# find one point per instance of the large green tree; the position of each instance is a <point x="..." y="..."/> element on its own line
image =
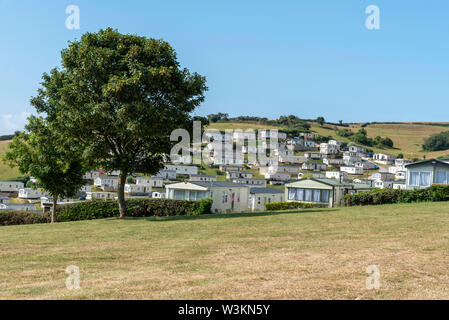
<point x="37" y="152"/>
<point x="119" y="97"/>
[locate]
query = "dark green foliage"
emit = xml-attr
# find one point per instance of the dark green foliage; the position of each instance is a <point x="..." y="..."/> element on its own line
<point x="215" y="117"/>
<point x="387" y="196"/>
<point x="8" y="218"/>
<point x="293" y="124"/>
<point x="130" y="180"/>
<point x="345" y="133"/>
<point x="320" y="120"/>
<point x="361" y="138"/>
<point x="37" y="152"/>
<point x="321" y="139"/>
<point x="201" y="207"/>
<point x="437" y="142"/>
<point x="135" y="208"/>
<point x="386" y="142"/>
<point x="119" y="97"/>
<point x="292" y="205"/>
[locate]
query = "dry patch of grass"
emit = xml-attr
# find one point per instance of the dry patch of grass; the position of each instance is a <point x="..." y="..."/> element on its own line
<point x="290" y="255"/>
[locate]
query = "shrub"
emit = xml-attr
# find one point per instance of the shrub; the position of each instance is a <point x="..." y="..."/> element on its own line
<point x="437" y="142"/>
<point x="135" y="208"/>
<point x="202" y="207"/>
<point x="386" y="196"/>
<point x="8" y="218"/>
<point x="274" y="206"/>
<point x="345" y="133"/>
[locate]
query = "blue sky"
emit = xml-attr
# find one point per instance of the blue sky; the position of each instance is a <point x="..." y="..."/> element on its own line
<point x="263" y="58"/>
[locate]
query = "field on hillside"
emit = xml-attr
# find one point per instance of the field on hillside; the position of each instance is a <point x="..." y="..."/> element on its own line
<point x="312" y="254"/>
<point x="407" y="137"/>
<point x="6" y="172"/>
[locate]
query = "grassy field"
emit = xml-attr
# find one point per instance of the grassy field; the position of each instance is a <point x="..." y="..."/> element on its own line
<point x="6" y="172"/>
<point x="407" y="137"/>
<point x="320" y="253"/>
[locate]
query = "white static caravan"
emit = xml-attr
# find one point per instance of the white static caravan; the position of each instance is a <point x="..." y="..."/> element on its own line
<point x="17" y="207"/>
<point x="30" y="193"/>
<point x="226" y="196"/>
<point x="179" y="169"/>
<point x="137" y="189"/>
<point x="107" y="183"/>
<point x="101" y="196"/>
<point x="258" y="197"/>
<point x="11" y="186"/>
<point x="426" y="173"/>
<point x="352" y="170"/>
<point x="155" y="182"/>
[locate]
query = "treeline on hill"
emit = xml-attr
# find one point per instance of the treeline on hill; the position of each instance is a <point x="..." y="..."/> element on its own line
<point x="292" y="124"/>
<point x="361" y="137"/>
<point x="9" y="136"/>
<point x="388" y="196"/>
<point x="437" y="142"/>
<point x="224" y="117"/>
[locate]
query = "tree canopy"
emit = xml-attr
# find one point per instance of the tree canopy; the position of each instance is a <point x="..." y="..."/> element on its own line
<point x="119" y="97"/>
<point x="437" y="142"/>
<point x="37" y="152"/>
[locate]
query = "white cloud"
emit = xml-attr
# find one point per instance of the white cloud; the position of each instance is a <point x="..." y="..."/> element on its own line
<point x="13" y="122"/>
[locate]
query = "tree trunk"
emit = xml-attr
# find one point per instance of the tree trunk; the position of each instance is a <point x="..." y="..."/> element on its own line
<point x="121" y="193"/>
<point x="53" y="209"/>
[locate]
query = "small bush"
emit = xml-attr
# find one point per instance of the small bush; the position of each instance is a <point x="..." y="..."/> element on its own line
<point x="386" y="196"/>
<point x="275" y="206"/>
<point x="8" y="218"/>
<point x="89" y="210"/>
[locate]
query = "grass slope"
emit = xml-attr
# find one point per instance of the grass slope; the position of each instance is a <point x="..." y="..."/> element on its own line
<point x="407" y="137"/>
<point x="6" y="172"/>
<point x="320" y="253"/>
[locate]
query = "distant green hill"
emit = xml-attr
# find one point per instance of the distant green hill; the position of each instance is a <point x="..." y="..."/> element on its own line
<point x="6" y="172"/>
<point x="408" y="137"/>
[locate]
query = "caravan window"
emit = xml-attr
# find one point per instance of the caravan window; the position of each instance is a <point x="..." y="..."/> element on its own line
<point x="179" y="195"/>
<point x="441" y="177"/>
<point x="421" y="179"/>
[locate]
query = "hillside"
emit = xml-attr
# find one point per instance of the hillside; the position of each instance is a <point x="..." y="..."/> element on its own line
<point x="6" y="172"/>
<point x="311" y="254"/>
<point x="407" y="137"/>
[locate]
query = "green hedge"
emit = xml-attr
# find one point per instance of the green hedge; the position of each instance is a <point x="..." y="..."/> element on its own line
<point x="386" y="196"/>
<point x="292" y="205"/>
<point x="99" y="209"/>
<point x="8" y="218"/>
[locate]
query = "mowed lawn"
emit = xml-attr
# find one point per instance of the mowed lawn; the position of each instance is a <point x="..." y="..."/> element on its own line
<point x="309" y="254"/>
